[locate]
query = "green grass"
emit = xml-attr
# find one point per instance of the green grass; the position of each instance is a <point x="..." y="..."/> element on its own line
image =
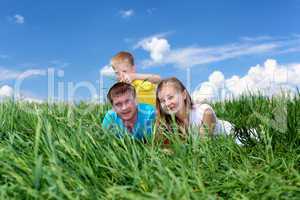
<point x="61" y="152"/>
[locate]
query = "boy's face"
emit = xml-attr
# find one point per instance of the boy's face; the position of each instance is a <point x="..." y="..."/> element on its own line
<point x="121" y="68"/>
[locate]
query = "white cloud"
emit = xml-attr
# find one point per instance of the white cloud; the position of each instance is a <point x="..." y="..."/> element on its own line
<point x="216" y="78"/>
<point x="270" y="79"/>
<point x="107" y="70"/>
<point x="150" y="11"/>
<point x="158" y="48"/>
<point x="126" y="13"/>
<point x="161" y="52"/>
<point x="259" y="38"/>
<point x="144" y="40"/>
<point x="6" y="91"/>
<point x="59" y="63"/>
<point x="31" y="100"/>
<point x="19" y="19"/>
<point x="3" y="56"/>
<point x="31" y="72"/>
<point x="7" y="74"/>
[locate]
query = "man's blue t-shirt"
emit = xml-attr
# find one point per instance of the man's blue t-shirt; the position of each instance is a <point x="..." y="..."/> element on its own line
<point x="142" y="127"/>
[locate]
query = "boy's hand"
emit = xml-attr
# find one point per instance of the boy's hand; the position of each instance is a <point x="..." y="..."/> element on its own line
<point x="127" y="77"/>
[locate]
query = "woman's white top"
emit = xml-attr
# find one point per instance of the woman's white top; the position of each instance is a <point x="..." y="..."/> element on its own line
<point x="196" y="119"/>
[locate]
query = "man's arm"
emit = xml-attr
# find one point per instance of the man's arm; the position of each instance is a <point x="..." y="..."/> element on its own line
<point x="107" y="121"/>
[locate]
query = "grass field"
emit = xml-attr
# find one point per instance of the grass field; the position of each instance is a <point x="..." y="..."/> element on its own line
<point x="61" y="152"/>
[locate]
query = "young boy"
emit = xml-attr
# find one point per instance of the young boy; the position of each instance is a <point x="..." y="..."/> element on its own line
<point x="144" y="84"/>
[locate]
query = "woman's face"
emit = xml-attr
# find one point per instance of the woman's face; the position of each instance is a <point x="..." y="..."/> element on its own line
<point x="171" y="100"/>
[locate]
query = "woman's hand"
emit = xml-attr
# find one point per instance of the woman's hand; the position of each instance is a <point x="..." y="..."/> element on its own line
<point x="208" y="123"/>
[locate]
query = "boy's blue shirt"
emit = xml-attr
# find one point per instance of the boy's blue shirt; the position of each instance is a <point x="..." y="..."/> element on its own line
<point x="142" y="128"/>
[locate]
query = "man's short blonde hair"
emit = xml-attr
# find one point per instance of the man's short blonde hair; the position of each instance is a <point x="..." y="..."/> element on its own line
<point x="121" y="57"/>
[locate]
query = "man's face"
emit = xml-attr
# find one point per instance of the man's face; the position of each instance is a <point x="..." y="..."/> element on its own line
<point x="122" y="68"/>
<point x="125" y="106"/>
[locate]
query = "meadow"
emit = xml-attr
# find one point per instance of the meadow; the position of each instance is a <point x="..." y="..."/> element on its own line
<point x="59" y="151"/>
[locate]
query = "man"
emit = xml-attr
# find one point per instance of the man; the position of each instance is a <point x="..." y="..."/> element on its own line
<point x="127" y="116"/>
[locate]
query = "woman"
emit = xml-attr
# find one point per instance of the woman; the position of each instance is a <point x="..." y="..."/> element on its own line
<point x="174" y="104"/>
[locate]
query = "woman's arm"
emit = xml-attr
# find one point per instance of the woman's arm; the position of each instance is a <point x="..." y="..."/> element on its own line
<point x="208" y="122"/>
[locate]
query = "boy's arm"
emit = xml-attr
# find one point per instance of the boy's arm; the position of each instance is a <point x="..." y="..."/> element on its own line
<point x="153" y="78"/>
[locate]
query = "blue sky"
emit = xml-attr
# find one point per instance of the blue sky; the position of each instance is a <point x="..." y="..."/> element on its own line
<point x="166" y="37"/>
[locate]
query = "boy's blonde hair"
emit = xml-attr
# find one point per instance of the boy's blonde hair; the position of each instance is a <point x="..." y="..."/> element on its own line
<point x="122" y="56"/>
